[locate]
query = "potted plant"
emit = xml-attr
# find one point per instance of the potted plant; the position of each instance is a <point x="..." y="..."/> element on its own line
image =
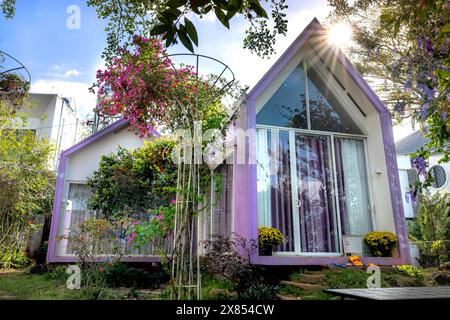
<point x="381" y="243"/>
<point x="268" y="238"/>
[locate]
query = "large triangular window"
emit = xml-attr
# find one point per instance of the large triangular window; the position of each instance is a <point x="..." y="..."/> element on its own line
<point x="304" y="101"/>
<point x="287" y="106"/>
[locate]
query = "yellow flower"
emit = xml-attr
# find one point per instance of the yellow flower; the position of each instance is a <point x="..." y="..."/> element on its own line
<point x="270" y="236"/>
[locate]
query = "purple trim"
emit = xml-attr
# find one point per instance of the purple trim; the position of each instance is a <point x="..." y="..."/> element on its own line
<point x="134" y="258"/>
<point x="304" y="260"/>
<point x="52" y="241"/>
<point x="56" y="212"/>
<point x="241" y="223"/>
<point x="386" y="128"/>
<point x="394" y="186"/>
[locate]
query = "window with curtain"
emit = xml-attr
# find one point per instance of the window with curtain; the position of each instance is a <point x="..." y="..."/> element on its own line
<point x="353" y="194"/>
<point x="274" y="184"/>
<point x="316" y="204"/>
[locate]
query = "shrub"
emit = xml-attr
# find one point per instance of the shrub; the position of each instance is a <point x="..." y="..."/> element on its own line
<point x="412" y="271"/>
<point x="270" y="236"/>
<point x="228" y="258"/>
<point x="345" y="279"/>
<point x="430" y="231"/>
<point x="381" y="243"/>
<point x="259" y="291"/>
<point x="121" y="275"/>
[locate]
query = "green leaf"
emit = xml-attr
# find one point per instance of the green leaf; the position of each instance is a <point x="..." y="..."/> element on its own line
<point x="386" y="18"/>
<point x="222" y="17"/>
<point x="159" y="29"/>
<point x="258" y="9"/>
<point x="197" y="4"/>
<point x="185" y="40"/>
<point x="191" y="31"/>
<point x="446" y="28"/>
<point x="169" y="15"/>
<point x="397" y="26"/>
<point x="170" y="38"/>
<point x="176" y="3"/>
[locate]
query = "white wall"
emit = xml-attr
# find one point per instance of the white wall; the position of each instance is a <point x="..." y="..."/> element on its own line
<point x="404" y="164"/>
<point x="54" y="121"/>
<point x="84" y="162"/>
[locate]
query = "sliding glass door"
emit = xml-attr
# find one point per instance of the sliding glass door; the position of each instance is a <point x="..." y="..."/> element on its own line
<point x="274" y="184"/>
<point x="315" y="196"/>
<point x="312" y="187"/>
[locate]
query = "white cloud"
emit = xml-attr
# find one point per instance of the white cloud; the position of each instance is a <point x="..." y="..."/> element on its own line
<point x="63" y="72"/>
<point x="82" y="99"/>
<point x="72" y="73"/>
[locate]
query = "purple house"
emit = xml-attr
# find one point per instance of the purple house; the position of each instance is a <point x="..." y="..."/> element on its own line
<point x="320" y="159"/>
<point x="318" y="163"/>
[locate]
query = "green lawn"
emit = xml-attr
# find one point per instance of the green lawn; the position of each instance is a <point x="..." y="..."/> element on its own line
<point x="24" y="286"/>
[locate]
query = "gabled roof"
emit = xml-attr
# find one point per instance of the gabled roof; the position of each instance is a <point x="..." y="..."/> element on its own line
<point x="119" y="124"/>
<point x="411" y="143"/>
<point x="314" y="28"/>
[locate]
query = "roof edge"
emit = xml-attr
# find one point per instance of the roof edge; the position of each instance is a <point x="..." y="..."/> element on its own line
<point x="283" y="59"/>
<point x="87" y="141"/>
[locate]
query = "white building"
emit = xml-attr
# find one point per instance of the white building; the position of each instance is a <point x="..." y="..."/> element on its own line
<point x="439" y="171"/>
<point x="52" y="117"/>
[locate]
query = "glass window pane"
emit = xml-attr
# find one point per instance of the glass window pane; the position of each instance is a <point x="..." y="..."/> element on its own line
<point x="274" y="184"/>
<point x="326" y="112"/>
<point x="352" y="186"/>
<point x="287" y="107"/>
<point x="316" y="203"/>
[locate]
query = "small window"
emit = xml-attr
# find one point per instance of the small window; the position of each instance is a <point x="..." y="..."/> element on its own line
<point x="438" y="175"/>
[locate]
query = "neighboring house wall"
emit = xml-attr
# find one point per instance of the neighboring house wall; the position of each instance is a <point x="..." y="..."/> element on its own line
<point x="404" y="173"/>
<point x="54" y="120"/>
<point x="77" y="164"/>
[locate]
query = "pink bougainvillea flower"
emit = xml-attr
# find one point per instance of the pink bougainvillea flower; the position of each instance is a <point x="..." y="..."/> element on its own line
<point x="173" y="201"/>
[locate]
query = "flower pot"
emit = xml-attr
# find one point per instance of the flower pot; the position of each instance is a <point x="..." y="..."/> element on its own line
<point x="266" y="250"/>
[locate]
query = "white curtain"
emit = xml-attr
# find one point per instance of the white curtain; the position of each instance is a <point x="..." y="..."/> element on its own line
<point x="263" y="177"/>
<point x="355" y="185"/>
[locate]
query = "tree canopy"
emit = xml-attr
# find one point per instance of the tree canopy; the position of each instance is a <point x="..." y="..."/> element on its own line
<point x="403" y="48"/>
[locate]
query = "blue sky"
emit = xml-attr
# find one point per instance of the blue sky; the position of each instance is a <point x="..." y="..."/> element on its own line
<point x="64" y="61"/>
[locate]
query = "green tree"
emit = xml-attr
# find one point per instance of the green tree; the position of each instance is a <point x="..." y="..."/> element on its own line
<point x="26" y="184"/>
<point x="430" y="229"/>
<point x="403" y="48"/>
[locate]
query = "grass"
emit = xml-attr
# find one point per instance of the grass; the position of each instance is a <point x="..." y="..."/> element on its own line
<point x="51" y="286"/>
<point x="24" y="286"/>
<point x="21" y="285"/>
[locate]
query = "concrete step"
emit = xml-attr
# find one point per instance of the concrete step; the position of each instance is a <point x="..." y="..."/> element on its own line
<point x="302" y="285"/>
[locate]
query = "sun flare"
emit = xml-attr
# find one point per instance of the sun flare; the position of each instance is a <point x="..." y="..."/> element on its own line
<point x="340" y="34"/>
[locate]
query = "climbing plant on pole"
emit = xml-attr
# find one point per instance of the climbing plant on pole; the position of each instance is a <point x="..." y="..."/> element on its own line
<point x="146" y="87"/>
